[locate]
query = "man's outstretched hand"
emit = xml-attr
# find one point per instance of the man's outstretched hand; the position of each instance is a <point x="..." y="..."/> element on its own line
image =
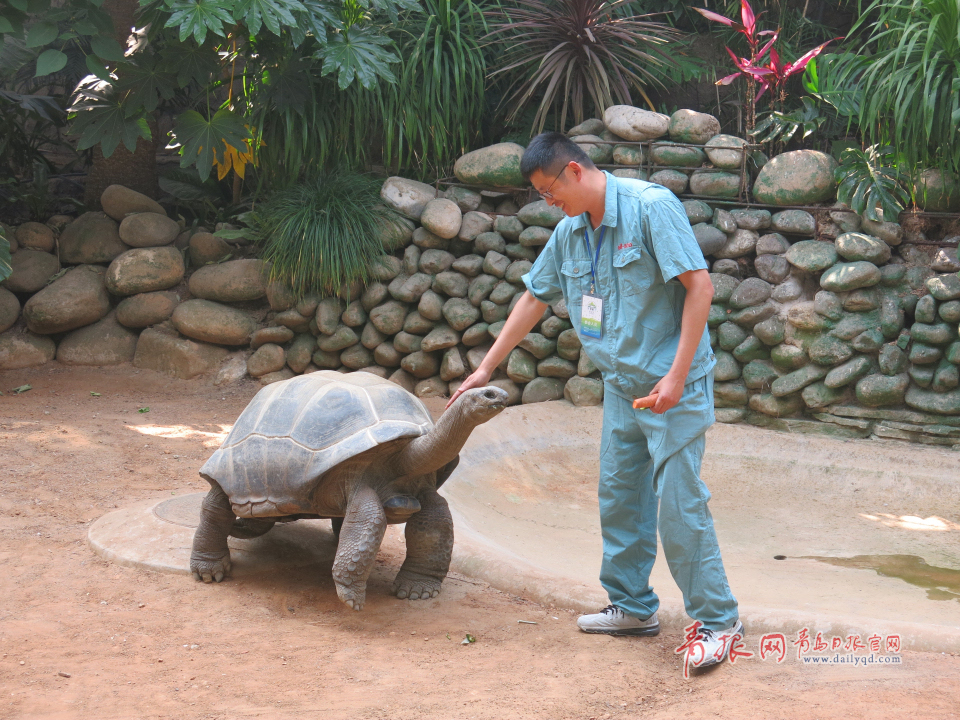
<point x="477" y="379"/>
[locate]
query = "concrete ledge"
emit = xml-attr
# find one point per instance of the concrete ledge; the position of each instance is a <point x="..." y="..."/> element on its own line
<point x="158" y="535"/>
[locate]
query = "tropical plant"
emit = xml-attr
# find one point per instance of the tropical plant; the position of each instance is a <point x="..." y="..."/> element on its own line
<point x="576" y="56"/>
<point x="421" y="123"/>
<point x="31" y="116"/>
<point x="781" y="127"/>
<point x="201" y="202"/>
<point x="753" y="38"/>
<point x="324" y="233"/>
<point x="820" y="80"/>
<point x="433" y="114"/>
<point x="29" y="123"/>
<point x="303" y="123"/>
<point x="870" y="178"/>
<point x="198" y="56"/>
<point x="771" y="74"/>
<point x="798" y="27"/>
<point x="908" y="87"/>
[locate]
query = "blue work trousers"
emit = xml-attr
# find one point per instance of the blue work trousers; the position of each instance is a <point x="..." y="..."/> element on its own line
<point x="648" y="460"/>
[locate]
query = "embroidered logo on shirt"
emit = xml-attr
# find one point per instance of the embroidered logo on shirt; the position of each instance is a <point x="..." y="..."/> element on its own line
<point x="624" y="246"/>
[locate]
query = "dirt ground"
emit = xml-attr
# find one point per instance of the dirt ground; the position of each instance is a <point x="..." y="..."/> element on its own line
<point x="82" y="638"/>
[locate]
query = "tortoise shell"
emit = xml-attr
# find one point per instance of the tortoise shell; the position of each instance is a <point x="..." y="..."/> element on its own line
<point x="294" y="431"/>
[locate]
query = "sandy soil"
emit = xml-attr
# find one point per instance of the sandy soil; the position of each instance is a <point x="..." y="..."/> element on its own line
<point x="81" y="638"/>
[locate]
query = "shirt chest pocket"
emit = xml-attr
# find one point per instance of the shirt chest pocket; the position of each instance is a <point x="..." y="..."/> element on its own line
<point x="576" y="276"/>
<point x="634" y="271"/>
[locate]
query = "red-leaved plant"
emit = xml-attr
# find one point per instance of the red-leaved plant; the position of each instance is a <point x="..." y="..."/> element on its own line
<point x="772" y="74"/>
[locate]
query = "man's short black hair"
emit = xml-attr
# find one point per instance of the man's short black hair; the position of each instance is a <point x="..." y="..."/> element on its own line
<point x="548" y="151"/>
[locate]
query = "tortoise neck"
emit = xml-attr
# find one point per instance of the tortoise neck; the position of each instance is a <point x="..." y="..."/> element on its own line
<point x="436" y="448"/>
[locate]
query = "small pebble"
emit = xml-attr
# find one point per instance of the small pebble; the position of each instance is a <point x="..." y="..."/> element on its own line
<point x="63" y="674"/>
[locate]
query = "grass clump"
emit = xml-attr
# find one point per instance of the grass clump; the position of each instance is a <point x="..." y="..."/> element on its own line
<point x="324" y="233"/>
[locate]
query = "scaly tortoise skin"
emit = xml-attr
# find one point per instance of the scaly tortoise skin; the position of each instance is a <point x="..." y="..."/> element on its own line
<point x="355" y="448"/>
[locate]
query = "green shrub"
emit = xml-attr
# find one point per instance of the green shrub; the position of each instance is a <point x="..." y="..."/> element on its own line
<point x="323" y="233"/>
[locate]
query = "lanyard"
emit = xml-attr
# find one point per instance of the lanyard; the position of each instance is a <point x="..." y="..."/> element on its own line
<point x="594" y="259"/>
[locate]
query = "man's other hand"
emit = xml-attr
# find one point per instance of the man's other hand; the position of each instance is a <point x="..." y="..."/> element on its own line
<point x="668" y="392"/>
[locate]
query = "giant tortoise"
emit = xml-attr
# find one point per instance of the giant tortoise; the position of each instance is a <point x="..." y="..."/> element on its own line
<point x="355" y="448"/>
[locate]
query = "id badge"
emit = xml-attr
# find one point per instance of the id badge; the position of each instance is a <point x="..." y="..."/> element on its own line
<point x="591" y="317"/>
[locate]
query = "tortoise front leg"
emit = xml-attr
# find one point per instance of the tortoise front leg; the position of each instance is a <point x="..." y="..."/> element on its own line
<point x="429" y="535"/>
<point x="360" y="536"/>
<point x="210" y="559"/>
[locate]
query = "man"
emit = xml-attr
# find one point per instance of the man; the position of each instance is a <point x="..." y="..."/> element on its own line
<point x="638" y="292"/>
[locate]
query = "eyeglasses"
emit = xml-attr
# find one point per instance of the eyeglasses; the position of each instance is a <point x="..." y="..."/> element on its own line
<point x="546" y="194"/>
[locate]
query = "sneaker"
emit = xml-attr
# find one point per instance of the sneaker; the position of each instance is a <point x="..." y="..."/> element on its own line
<point x="711" y="647"/>
<point x="612" y="621"/>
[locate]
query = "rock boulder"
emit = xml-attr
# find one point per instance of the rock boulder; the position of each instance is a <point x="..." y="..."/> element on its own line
<point x="231" y="281"/>
<point x="118" y="202"/>
<point x="21" y="349"/>
<point x="408" y="197"/>
<point x="634" y="124"/>
<point x="35" y="236"/>
<point x="9" y="309"/>
<point x="176" y="356"/>
<point x="146" y="309"/>
<point x="497" y="165"/>
<point x="78" y="298"/>
<point x="93" y="237"/>
<point x="105" y="342"/>
<point x="31" y="270"/>
<point x="145" y="270"/>
<point x="212" y="322"/>
<point x="148" y="229"/>
<point x="799" y="177"/>
<point x="687" y="126"/>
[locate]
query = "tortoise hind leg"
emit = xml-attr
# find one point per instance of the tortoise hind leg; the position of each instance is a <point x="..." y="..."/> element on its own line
<point x="429" y="535"/>
<point x="210" y="559"/>
<point x="360" y="536"/>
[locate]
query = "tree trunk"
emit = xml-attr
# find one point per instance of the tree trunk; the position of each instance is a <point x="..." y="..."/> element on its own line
<point x="136" y="170"/>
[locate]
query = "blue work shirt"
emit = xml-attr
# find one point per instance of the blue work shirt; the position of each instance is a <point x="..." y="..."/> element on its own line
<point x="647" y="243"/>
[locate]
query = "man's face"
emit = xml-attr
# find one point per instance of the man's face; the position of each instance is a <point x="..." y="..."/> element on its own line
<point x="561" y="189"/>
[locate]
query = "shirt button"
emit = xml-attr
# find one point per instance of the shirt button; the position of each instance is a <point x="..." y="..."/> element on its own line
<point x="576" y="269"/>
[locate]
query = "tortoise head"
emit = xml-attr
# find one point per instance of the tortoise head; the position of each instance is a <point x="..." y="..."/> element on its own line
<point x="441" y="445"/>
<point x="478" y="405"/>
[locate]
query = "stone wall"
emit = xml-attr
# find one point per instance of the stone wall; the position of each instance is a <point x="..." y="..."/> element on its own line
<point x="822" y="321"/>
